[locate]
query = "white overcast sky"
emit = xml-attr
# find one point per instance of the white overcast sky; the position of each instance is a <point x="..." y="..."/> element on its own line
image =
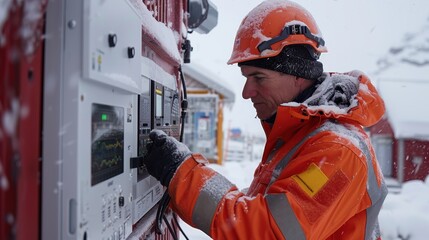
<point x="357" y="33"/>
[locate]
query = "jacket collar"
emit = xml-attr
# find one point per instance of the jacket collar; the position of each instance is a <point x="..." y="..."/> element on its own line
<point x="365" y="106"/>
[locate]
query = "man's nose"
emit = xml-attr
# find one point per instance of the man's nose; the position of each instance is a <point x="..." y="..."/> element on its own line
<point x="249" y="90"/>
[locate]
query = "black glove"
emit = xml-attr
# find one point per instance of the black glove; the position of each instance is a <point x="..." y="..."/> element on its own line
<point x="164" y="155"/>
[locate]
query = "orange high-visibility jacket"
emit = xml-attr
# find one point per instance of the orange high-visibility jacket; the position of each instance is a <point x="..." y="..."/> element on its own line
<point x="318" y="178"/>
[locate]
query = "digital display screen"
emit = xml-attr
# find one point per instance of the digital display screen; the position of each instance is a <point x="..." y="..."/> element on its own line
<point x="107" y="142"/>
<point x="158" y="106"/>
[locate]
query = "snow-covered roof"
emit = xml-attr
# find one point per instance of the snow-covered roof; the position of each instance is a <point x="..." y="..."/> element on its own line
<point x="217" y="84"/>
<point x="406" y="103"/>
<point x="403" y="81"/>
<point x="409" y="59"/>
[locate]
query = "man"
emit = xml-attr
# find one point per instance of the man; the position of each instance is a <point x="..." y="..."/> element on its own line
<point x="318" y="177"/>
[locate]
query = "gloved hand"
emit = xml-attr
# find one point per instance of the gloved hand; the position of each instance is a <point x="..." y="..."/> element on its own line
<point x="164" y="155"/>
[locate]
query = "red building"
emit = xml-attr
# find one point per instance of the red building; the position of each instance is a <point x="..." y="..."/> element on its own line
<point x="401" y="138"/>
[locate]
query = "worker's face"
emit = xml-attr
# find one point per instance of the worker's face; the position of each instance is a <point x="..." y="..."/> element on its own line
<point x="268" y="89"/>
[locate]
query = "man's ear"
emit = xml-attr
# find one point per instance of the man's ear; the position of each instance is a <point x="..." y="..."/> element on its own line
<point x="302" y="83"/>
<point x="298" y="81"/>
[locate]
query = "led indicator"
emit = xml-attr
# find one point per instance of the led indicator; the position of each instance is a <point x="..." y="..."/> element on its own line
<point x="103" y="117"/>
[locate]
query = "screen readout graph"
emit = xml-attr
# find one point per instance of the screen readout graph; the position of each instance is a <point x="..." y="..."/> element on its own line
<point x="107" y="144"/>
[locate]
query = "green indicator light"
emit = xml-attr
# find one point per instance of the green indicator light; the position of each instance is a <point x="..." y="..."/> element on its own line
<point x="103" y="117"/>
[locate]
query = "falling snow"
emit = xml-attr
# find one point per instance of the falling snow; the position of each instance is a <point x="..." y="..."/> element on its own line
<point x="4" y="183"/>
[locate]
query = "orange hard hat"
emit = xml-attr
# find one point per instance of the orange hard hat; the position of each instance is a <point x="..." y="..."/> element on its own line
<point x="272" y="25"/>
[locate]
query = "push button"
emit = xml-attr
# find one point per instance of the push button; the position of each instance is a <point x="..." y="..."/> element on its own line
<point x="121" y="200"/>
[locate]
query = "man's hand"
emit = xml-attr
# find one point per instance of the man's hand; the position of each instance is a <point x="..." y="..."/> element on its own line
<point x="164" y="155"/>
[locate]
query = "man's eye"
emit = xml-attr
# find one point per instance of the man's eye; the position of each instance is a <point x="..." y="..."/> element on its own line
<point x="259" y="79"/>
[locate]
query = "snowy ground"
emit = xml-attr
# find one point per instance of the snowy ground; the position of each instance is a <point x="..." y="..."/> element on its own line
<point x="404" y="215"/>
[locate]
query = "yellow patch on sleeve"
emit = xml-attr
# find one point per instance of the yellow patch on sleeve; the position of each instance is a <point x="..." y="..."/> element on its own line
<point x="311" y="180"/>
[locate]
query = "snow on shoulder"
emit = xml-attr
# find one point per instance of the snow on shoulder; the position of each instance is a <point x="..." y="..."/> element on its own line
<point x="335" y="95"/>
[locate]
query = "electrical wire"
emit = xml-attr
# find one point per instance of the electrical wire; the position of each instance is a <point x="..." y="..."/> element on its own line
<point x="180" y="228"/>
<point x="171" y="229"/>
<point x="163" y="204"/>
<point x="184" y="104"/>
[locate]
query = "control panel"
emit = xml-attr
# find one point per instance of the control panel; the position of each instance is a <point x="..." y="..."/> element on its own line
<point x="166" y="108"/>
<point x="147" y="191"/>
<point x="157" y="110"/>
<point x="104" y="183"/>
<point x="100" y="105"/>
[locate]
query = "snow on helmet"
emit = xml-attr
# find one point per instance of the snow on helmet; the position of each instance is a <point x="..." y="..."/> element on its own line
<point x="272" y="25"/>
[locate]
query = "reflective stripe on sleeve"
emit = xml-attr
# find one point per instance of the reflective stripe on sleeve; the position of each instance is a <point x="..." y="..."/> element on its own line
<point x="210" y="195"/>
<point x="284" y="216"/>
<point x="376" y="193"/>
